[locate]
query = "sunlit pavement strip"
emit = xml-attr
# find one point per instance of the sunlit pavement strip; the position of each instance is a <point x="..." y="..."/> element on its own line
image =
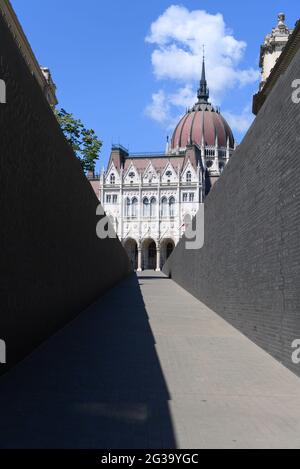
<point x="149" y="366"/>
<point x="225" y="391"/>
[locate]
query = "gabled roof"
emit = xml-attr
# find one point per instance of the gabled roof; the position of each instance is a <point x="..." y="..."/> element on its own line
<point x="187" y="166"/>
<point x="169" y="166"/>
<point x="159" y="163"/>
<point x="150" y="167"/>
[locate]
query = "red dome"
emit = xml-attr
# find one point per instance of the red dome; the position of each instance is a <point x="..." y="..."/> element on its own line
<point x="202" y="123"/>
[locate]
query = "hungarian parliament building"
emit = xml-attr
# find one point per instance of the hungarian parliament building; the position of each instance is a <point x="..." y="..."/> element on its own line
<point x="149" y="198"/>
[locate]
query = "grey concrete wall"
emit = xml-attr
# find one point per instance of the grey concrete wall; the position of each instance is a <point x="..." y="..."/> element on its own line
<point x="249" y="268"/>
<point x="52" y="265"/>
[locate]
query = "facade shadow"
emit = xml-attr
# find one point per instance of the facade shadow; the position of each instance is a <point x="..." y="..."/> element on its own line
<point x="95" y="384"/>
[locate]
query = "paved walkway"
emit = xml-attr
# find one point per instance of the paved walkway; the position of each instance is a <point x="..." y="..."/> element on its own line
<point x="149" y="366"/>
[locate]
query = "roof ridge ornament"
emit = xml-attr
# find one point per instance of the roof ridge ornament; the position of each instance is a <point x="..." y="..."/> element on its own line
<point x="281" y="20"/>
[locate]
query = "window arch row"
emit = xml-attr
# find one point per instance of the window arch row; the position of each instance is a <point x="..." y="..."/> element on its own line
<point x="168" y="207"/>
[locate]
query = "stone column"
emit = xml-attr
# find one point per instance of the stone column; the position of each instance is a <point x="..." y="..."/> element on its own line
<point x="216" y="162"/>
<point x="159" y="206"/>
<point x="158" y="258"/>
<point x="140" y="267"/>
<point x="227" y="150"/>
<point x="140" y="205"/>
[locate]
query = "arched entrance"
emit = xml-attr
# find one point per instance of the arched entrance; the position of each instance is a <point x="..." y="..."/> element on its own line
<point x="149" y="254"/>
<point x="131" y="248"/>
<point x="152" y="256"/>
<point x="167" y="247"/>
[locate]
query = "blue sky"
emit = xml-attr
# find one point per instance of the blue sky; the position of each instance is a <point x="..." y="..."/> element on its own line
<point x="129" y="69"/>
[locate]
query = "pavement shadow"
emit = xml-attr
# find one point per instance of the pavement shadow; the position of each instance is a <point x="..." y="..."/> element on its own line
<point x="95" y="384"/>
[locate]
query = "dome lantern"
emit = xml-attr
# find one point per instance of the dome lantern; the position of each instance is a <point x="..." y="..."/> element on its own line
<point x="203" y="126"/>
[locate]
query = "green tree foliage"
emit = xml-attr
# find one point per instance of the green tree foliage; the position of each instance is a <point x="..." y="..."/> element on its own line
<point x="85" y="143"/>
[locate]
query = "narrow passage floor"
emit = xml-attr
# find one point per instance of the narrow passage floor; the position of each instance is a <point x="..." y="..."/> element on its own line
<point x="149" y="366"/>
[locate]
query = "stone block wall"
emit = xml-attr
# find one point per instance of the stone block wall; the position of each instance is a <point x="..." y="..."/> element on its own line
<point x="249" y="268"/>
<point x="52" y="265"/>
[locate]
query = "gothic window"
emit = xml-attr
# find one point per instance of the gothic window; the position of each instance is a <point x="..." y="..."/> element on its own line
<point x="146" y="208"/>
<point x="164" y="207"/>
<point x="134" y="208"/>
<point x="115" y="199"/>
<point x="169" y="173"/>
<point x="108" y="199"/>
<point x="127" y="207"/>
<point x="153" y="207"/>
<point x="189" y="177"/>
<point x="185" y="197"/>
<point x="172" y="207"/>
<point x="192" y="197"/>
<point x="112" y="179"/>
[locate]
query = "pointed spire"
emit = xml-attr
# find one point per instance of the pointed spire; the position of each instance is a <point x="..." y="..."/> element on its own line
<point x="168" y="145"/>
<point x="203" y="92"/>
<point x="203" y="76"/>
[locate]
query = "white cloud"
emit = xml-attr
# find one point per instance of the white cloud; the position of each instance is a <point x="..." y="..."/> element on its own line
<point x="184" y="97"/>
<point x="158" y="110"/>
<point x="240" y="122"/>
<point x="178" y="36"/>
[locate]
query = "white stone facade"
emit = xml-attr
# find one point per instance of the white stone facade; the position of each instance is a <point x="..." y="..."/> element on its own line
<point x="149" y="209"/>
<point x="151" y="199"/>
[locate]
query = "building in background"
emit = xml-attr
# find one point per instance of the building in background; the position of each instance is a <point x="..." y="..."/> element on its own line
<point x="277" y="53"/>
<point x="272" y="48"/>
<point x="41" y="74"/>
<point x="150" y="198"/>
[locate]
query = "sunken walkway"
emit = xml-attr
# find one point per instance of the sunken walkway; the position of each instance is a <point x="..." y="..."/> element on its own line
<point x="149" y="366"/>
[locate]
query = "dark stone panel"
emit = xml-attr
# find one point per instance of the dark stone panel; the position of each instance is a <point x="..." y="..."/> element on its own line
<point x="52" y="265"/>
<point x="249" y="268"/>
